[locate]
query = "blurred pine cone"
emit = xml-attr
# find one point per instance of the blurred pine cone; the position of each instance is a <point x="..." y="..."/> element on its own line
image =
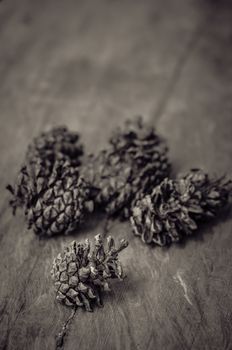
<point x="49" y="188"/>
<point x="81" y="273"/>
<point x="63" y="205"/>
<point x="57" y="203"/>
<point x="55" y="146"/>
<point x="174" y="207"/>
<point x="135" y="161"/>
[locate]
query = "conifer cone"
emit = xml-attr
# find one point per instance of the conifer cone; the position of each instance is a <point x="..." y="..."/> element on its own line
<point x="80" y="273"/>
<point x="134" y="162"/>
<point x="58" y="145"/>
<point x="55" y="203"/>
<point x="62" y="205"/>
<point x="174" y="208"/>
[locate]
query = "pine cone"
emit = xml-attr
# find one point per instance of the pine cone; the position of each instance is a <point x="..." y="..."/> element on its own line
<point x="55" y="146"/>
<point x="81" y="273"/>
<point x="55" y="198"/>
<point x="174" y="208"/>
<point x="63" y="205"/>
<point x="135" y="161"/>
<point x="56" y="203"/>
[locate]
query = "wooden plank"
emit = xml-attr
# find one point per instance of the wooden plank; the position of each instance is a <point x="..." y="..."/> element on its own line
<point x="90" y="66"/>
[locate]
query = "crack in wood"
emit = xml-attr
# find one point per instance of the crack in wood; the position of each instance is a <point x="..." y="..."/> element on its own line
<point x="179" y="66"/>
<point x="22" y="306"/>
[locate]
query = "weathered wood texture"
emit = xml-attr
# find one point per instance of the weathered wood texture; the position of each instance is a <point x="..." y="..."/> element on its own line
<point x="91" y="64"/>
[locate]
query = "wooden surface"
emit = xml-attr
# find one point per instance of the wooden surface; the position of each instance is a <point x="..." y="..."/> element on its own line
<point x="90" y="65"/>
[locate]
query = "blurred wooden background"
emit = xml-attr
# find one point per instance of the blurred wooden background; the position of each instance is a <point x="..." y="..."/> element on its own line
<point x="90" y="65"/>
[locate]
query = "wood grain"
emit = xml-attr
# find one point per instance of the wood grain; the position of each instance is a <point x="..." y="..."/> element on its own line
<point x="90" y="65"/>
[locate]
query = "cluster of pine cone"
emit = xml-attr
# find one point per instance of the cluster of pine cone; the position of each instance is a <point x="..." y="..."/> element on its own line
<point x="58" y="188"/>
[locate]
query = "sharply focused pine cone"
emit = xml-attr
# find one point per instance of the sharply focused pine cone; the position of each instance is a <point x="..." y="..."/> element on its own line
<point x="174" y="207"/>
<point x="81" y="273"/>
<point x="55" y="146"/>
<point x="134" y="162"/>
